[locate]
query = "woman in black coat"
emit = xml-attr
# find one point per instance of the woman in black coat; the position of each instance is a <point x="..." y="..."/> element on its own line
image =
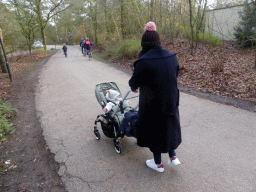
<point x="155" y="74"/>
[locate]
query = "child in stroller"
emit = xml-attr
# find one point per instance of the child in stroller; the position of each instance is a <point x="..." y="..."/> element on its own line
<point x="115" y="107"/>
<point x="114" y="99"/>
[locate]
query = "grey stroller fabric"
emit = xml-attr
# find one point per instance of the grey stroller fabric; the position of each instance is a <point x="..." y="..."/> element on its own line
<point x="100" y="92"/>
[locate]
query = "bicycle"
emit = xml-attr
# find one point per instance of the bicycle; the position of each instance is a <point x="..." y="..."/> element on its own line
<point x="89" y="54"/>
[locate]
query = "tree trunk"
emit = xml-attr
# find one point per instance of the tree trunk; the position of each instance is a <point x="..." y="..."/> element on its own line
<point x="151" y="10"/>
<point x="160" y="15"/>
<point x="95" y="23"/>
<point x="255" y="58"/>
<point x="43" y="38"/>
<point x="41" y="23"/>
<point x="140" y="20"/>
<point x="116" y="24"/>
<point x="2" y="60"/>
<point x="106" y="19"/>
<point x="122" y="18"/>
<point x="166" y="27"/>
<point x="200" y="21"/>
<point x="191" y="27"/>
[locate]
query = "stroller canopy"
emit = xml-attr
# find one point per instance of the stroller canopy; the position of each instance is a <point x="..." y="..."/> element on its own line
<point x="100" y="91"/>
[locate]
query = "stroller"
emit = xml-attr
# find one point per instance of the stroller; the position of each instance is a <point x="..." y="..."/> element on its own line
<point x="111" y="121"/>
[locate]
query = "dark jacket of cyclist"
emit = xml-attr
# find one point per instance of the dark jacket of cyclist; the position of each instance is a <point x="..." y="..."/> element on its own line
<point x="64" y="48"/>
<point x="88" y="44"/>
<point x="82" y="42"/>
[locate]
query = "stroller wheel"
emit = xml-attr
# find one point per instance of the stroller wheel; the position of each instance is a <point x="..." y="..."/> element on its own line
<point x="118" y="148"/>
<point x="97" y="135"/>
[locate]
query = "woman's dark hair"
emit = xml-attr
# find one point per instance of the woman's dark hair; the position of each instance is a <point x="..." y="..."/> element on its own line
<point x="144" y="50"/>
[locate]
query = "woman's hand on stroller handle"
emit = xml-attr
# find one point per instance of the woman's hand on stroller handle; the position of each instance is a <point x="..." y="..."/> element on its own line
<point x="136" y="91"/>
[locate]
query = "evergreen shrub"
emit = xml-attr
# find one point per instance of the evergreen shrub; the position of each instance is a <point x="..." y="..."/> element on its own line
<point x="245" y="32"/>
<point x="6" y="112"/>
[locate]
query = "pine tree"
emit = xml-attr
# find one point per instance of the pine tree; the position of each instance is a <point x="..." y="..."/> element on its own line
<point x="245" y="33"/>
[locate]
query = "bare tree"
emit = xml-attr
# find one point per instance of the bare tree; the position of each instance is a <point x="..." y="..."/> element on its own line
<point x="191" y="25"/>
<point x="95" y="22"/>
<point x="45" y="10"/>
<point x="26" y="21"/>
<point x="196" y="17"/>
<point x="122" y="18"/>
<point x="201" y="8"/>
<point x="151" y="10"/>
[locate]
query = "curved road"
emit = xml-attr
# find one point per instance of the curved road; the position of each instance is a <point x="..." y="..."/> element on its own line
<point x="217" y="153"/>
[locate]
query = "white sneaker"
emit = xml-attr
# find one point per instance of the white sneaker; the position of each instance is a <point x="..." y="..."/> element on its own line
<point x="174" y="161"/>
<point x="151" y="163"/>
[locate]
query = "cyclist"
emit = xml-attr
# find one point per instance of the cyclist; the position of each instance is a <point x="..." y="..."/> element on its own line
<point x="88" y="45"/>
<point x="82" y="42"/>
<point x="65" y="50"/>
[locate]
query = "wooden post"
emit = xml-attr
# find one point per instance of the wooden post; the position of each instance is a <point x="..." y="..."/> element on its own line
<point x="2" y="60"/>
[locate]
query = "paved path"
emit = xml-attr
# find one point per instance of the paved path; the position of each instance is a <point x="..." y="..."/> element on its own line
<point x="217" y="153"/>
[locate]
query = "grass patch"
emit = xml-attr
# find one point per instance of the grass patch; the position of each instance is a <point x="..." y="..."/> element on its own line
<point x="203" y="37"/>
<point x="6" y="113"/>
<point x="23" y="63"/>
<point x="127" y="48"/>
<point x="207" y="38"/>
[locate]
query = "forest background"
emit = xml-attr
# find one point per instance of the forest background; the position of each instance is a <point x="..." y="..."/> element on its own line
<point x="208" y="63"/>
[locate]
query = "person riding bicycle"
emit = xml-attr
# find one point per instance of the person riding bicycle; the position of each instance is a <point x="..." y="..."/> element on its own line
<point x="65" y="49"/>
<point x="82" y="42"/>
<point x="88" y="45"/>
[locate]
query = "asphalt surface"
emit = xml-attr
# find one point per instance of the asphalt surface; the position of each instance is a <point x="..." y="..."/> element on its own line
<point x="217" y="153"/>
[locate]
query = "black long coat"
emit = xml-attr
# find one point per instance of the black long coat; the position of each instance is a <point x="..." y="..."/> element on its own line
<point x="155" y="74"/>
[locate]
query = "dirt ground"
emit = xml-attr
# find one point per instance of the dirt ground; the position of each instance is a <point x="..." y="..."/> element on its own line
<point x="32" y="166"/>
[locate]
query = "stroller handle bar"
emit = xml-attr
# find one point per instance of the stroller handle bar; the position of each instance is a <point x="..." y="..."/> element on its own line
<point x="128" y="92"/>
<point x="126" y="95"/>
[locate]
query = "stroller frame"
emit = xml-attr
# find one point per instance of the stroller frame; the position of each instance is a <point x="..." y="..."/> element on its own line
<point x="112" y="117"/>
